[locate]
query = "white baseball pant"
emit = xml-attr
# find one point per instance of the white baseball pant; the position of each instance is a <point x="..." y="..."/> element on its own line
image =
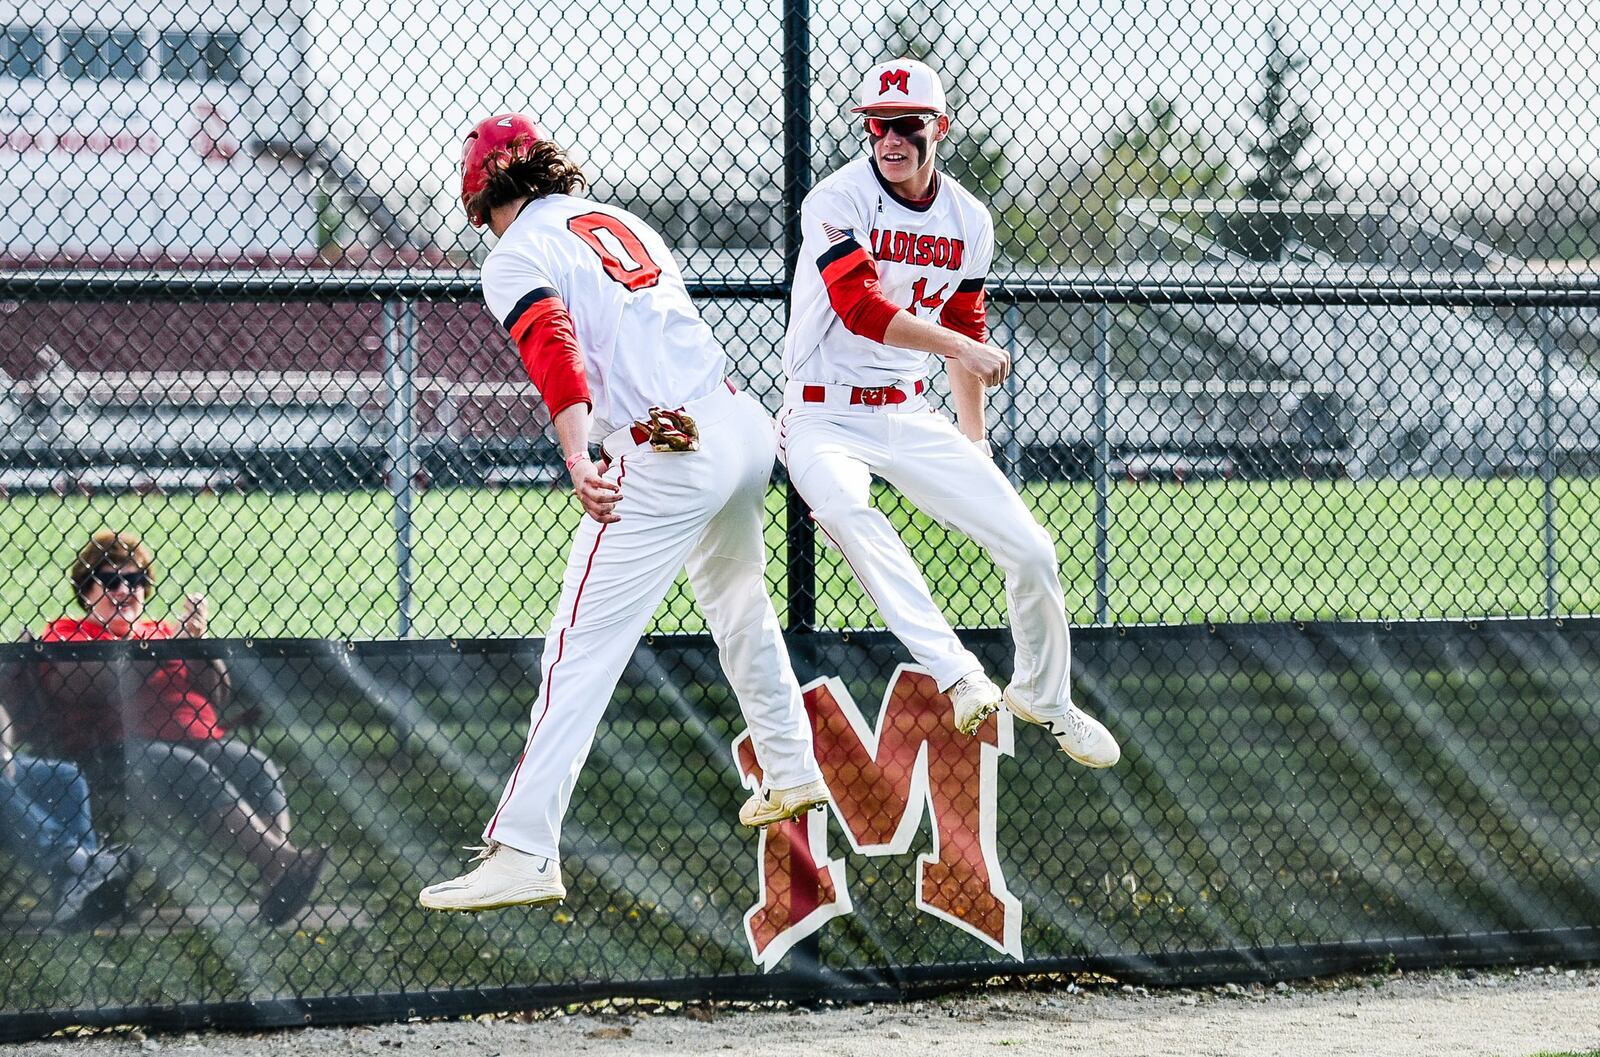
<point x="704" y="510"/>
<point x="833" y="448"/>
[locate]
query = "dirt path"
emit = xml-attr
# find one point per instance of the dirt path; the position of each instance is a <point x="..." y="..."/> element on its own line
<point x="1459" y="1015"/>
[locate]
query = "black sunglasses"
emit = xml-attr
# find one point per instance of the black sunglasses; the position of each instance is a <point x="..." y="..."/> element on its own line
<point x="910" y="125"/>
<point x="110" y="578"/>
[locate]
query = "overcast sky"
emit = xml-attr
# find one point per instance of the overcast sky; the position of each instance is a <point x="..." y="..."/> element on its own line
<point x="1449" y="95"/>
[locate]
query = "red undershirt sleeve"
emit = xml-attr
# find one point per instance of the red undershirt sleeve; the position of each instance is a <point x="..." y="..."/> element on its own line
<point x="548" y="344"/>
<point x="965" y="312"/>
<point x="851" y="277"/>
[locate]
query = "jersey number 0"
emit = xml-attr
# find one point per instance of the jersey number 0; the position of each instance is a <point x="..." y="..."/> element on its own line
<point x="621" y="252"/>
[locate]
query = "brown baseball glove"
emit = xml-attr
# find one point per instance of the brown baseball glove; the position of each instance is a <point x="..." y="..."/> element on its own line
<point x="672" y="431"/>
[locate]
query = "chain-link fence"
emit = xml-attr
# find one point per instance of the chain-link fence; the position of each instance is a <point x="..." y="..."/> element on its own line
<point x="1302" y="308"/>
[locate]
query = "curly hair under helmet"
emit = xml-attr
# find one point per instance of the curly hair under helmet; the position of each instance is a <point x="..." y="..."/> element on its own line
<point x="525" y="169"/>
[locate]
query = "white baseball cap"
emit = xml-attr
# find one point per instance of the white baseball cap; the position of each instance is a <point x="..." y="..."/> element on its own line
<point x="901" y="84"/>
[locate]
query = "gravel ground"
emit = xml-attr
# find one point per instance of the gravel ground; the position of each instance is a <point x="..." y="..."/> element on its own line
<point x="1496" y="1014"/>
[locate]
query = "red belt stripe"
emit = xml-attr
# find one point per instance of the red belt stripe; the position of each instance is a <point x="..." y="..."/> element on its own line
<point x="867" y="396"/>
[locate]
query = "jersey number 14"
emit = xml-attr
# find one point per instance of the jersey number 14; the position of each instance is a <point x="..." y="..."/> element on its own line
<point x="920" y="298"/>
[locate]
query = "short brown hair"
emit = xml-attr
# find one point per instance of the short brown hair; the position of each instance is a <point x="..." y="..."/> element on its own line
<point x="540" y="168"/>
<point x="109" y="547"/>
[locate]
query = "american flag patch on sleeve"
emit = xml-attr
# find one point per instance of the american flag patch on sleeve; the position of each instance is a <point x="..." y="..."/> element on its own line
<point x="837" y="235"/>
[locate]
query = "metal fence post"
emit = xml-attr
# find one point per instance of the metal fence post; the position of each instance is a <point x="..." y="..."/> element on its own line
<point x="806" y="970"/>
<point x="801" y="534"/>
<point x="1102" y="465"/>
<point x="1547" y="459"/>
<point x="399" y="370"/>
<point x="1013" y="445"/>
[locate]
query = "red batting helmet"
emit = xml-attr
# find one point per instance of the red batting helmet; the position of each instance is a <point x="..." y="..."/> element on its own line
<point x="493" y="143"/>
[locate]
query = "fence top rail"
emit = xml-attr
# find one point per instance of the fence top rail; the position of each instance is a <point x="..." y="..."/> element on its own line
<point x="246" y="386"/>
<point x="55" y="284"/>
<point x="1476" y="290"/>
<point x="1525" y="284"/>
<point x="1520" y="284"/>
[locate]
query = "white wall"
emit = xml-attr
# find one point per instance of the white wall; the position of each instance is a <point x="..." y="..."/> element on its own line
<point x="150" y="166"/>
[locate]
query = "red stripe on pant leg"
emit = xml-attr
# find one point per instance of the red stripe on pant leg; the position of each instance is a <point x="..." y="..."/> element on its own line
<point x="842" y="552"/>
<point x="561" y="651"/>
<point x="857" y="572"/>
<point x="846" y="556"/>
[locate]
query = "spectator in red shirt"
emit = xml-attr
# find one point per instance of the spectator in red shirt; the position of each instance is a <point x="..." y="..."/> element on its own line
<point x="150" y="730"/>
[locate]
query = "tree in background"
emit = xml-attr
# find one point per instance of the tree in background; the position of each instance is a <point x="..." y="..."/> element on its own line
<point x="1282" y="167"/>
<point x="1149" y="154"/>
<point x="333" y="234"/>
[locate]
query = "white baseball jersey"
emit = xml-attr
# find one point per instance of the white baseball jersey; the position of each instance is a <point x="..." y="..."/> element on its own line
<point x="643" y="343"/>
<point x="931" y="258"/>
<point x="924" y="253"/>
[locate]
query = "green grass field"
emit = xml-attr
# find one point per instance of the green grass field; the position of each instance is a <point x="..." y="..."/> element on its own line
<point x="488" y="563"/>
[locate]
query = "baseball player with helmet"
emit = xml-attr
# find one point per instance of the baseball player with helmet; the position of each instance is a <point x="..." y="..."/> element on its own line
<point x="892" y="268"/>
<point x="600" y="315"/>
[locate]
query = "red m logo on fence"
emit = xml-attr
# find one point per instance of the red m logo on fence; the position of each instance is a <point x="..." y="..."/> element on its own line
<point x="880" y="780"/>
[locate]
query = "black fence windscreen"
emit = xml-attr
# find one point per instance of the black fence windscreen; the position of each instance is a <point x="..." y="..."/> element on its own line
<point x="1302" y="308"/>
<point x="1294" y="799"/>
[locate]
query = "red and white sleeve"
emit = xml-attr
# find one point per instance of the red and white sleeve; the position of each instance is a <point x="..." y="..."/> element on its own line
<point x="850" y="275"/>
<point x="547" y="342"/>
<point x="966" y="312"/>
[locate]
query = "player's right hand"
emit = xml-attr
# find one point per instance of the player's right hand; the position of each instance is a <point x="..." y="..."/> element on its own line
<point x="989" y="363"/>
<point x="598" y="495"/>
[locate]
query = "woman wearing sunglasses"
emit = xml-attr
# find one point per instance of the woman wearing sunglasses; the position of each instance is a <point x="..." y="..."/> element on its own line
<point x="150" y="731"/>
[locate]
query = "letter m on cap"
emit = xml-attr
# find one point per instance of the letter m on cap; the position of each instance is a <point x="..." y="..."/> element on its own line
<point x="884" y="781"/>
<point x="900" y="79"/>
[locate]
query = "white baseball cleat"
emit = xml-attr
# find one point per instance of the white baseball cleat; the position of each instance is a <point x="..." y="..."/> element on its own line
<point x="504" y="877"/>
<point x="767" y="806"/>
<point x="975" y="699"/>
<point x="1079" y="734"/>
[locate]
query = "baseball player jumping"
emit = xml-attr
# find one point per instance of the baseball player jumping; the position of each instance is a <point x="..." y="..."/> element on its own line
<point x="604" y="325"/>
<point x="892" y="269"/>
